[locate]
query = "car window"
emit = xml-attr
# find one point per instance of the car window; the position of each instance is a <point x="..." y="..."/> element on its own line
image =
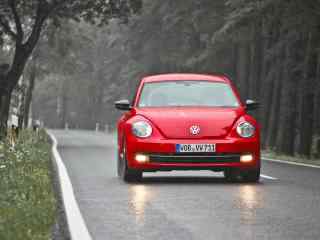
<point x="187" y="93"/>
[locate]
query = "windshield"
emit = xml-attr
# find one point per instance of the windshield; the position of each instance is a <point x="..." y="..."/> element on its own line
<point x="188" y="94"/>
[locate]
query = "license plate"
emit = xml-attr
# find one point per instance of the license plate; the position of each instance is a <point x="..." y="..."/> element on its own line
<point x="182" y="148"/>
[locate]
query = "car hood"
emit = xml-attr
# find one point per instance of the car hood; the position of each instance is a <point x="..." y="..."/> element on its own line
<point x="175" y="123"/>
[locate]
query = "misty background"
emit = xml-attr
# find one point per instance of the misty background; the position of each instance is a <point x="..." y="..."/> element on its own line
<point x="269" y="48"/>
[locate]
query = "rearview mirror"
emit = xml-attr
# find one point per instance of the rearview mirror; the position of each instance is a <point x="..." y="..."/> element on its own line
<point x="251" y="105"/>
<point x="123" y="105"/>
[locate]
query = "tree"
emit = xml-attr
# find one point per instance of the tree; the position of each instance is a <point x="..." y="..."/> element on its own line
<point x="269" y="48"/>
<point x="29" y="18"/>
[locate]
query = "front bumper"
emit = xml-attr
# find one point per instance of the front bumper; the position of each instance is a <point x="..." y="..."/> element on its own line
<point x="163" y="156"/>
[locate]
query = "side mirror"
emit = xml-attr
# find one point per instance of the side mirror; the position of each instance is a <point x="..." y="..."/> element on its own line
<point x="252" y="105"/>
<point x="123" y="105"/>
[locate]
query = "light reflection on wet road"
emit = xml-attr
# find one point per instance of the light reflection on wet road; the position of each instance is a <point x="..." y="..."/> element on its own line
<point x="188" y="205"/>
<point x="140" y="197"/>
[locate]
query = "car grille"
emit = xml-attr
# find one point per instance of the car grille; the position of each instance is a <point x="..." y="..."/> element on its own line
<point x="194" y="158"/>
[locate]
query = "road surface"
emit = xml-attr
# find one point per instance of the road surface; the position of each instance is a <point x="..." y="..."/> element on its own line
<point x="188" y="205"/>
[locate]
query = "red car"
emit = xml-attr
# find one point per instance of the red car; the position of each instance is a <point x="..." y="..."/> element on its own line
<point x="188" y="122"/>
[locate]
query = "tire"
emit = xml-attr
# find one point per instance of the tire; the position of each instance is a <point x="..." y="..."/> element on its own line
<point x="232" y="175"/>
<point x="252" y="176"/>
<point x="119" y="165"/>
<point x="124" y="172"/>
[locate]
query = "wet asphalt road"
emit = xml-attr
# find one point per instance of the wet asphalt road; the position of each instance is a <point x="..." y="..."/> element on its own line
<point x="187" y="205"/>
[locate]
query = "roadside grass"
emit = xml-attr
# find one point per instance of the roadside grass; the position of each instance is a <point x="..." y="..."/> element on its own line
<point x="27" y="199"/>
<point x="297" y="159"/>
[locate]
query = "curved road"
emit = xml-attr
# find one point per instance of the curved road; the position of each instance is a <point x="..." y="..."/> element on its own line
<point x="187" y="205"/>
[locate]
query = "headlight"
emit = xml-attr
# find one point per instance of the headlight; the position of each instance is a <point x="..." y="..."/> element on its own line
<point x="141" y="129"/>
<point x="245" y="130"/>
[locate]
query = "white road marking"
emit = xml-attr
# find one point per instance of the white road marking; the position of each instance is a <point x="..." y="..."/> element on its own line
<point x="268" y="177"/>
<point x="291" y="163"/>
<point x="77" y="227"/>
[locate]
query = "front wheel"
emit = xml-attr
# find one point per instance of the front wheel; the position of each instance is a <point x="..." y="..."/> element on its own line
<point x="251" y="175"/>
<point x="124" y="172"/>
<point x="232" y="175"/>
<point x="236" y="175"/>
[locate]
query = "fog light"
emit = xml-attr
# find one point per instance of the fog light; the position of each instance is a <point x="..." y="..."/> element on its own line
<point x="246" y="158"/>
<point x="141" y="158"/>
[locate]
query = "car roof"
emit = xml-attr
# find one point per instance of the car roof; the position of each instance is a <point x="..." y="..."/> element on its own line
<point x="185" y="77"/>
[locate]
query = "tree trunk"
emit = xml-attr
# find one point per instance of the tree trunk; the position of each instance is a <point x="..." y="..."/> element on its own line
<point x="287" y="114"/>
<point x="64" y="103"/>
<point x="275" y="106"/>
<point x="4" y="113"/>
<point x="316" y="123"/>
<point x="266" y="93"/>
<point x="307" y="99"/>
<point x="243" y="69"/>
<point x="3" y="122"/>
<point x="21" y="55"/>
<point x="267" y="85"/>
<point x="9" y="81"/>
<point x="266" y="108"/>
<point x="255" y="60"/>
<point x="234" y="62"/>
<point x="29" y="94"/>
<point x="21" y="110"/>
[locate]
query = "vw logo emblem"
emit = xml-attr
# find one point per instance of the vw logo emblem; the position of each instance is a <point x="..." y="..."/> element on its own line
<point x="195" y="130"/>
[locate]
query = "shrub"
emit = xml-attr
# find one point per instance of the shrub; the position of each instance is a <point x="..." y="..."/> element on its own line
<point x="27" y="200"/>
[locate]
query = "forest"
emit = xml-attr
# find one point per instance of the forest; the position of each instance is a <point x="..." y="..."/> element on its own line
<point x="269" y="48"/>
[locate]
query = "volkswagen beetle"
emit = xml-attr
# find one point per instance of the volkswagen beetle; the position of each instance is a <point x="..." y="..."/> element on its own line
<point x="188" y="122"/>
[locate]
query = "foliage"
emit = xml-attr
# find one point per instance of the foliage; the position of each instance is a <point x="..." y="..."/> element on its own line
<point x="27" y="201"/>
<point x="22" y="22"/>
<point x="25" y="14"/>
<point x="269" y="48"/>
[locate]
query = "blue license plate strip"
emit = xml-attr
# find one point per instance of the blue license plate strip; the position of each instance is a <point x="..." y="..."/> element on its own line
<point x="195" y="148"/>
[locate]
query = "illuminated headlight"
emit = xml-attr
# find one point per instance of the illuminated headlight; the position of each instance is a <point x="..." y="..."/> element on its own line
<point x="245" y="130"/>
<point x="141" y="129"/>
<point x="247" y="158"/>
<point x="141" y="158"/>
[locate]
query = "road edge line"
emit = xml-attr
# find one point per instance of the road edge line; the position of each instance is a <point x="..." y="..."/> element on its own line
<point x="268" y="177"/>
<point x="291" y="163"/>
<point x="76" y="224"/>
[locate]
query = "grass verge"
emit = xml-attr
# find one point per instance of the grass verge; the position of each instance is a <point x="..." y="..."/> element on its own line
<point x="296" y="159"/>
<point x="27" y="199"/>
